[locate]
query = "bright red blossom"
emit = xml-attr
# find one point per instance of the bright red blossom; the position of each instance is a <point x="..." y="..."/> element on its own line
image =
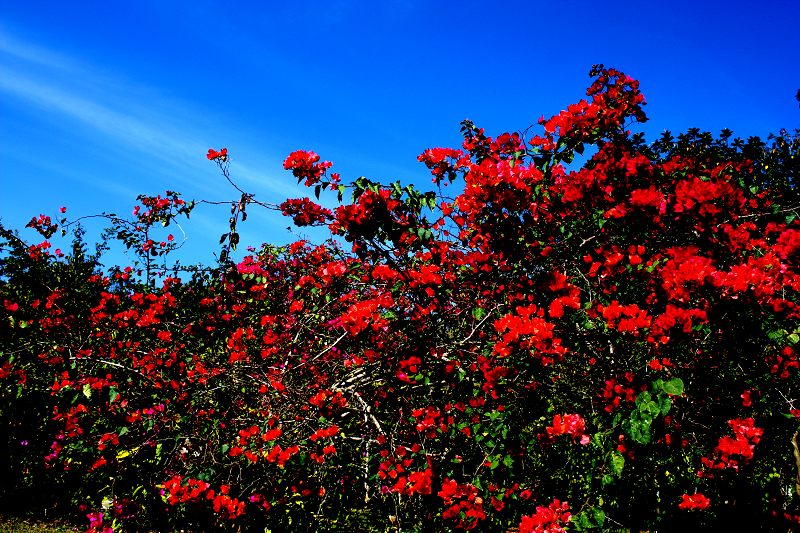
<point x="694" y="502"/>
<point x="305" y="165"/>
<point x="213" y="155"/>
<point x="550" y="519"/>
<point x="572" y="425"/>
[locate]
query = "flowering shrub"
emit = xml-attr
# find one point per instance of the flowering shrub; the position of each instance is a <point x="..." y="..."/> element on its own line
<point x="555" y="347"/>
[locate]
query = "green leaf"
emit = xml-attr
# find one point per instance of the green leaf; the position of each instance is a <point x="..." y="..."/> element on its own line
<point x="87" y="391"/>
<point x="664" y="404"/>
<point x="674" y="387"/>
<point x="478" y="313"/>
<point x="580" y="522"/>
<point x="617" y="463"/>
<point x="599" y="516"/>
<point x="643" y="398"/>
<point x="590" y="519"/>
<point x="112" y="395"/>
<point x="650" y="410"/>
<point x="638" y="428"/>
<point x="775" y="335"/>
<point x="640" y="432"/>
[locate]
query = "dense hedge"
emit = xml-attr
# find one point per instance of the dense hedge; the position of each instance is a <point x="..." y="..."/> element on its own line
<point x="574" y="330"/>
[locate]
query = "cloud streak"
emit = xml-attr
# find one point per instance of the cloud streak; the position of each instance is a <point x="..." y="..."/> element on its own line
<point x="163" y="131"/>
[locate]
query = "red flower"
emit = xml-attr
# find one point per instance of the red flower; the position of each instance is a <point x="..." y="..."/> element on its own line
<point x="420" y="482"/>
<point x="747" y="400"/>
<point x="222" y="155"/>
<point x="306" y="165"/>
<point x="550" y="519"/>
<point x="572" y="425"/>
<point x="693" y="502"/>
<point x="304" y="212"/>
<point x="733" y="450"/>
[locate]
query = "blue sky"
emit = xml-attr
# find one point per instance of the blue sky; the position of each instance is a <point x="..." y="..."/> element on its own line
<point x="101" y="101"/>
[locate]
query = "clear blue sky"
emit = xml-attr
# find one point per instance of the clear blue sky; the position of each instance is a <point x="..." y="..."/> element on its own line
<point x="101" y="101"/>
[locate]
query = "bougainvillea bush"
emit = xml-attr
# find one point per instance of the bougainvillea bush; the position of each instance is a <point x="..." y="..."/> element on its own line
<point x="574" y="330"/>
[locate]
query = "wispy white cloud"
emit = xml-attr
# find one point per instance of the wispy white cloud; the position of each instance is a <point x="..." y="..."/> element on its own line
<point x="30" y="52"/>
<point x="134" y="138"/>
<point x="127" y="116"/>
<point x="133" y="132"/>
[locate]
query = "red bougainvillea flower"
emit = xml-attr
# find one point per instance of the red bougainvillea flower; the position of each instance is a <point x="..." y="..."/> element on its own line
<point x="694" y="502"/>
<point x="305" y="165"/>
<point x="550" y="519"/>
<point x="222" y="155"/>
<point x="462" y="504"/>
<point x="572" y="425"/>
<point x="304" y="212"/>
<point x="731" y="451"/>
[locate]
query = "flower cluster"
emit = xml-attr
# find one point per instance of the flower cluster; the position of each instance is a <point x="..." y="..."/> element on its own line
<point x="550" y="519"/>
<point x="462" y="504"/>
<point x="305" y="165"/>
<point x="304" y="212"/>
<point x="731" y="452"/>
<point x="572" y="425"/>
<point x="221" y="156"/>
<point x="694" y="502"/>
